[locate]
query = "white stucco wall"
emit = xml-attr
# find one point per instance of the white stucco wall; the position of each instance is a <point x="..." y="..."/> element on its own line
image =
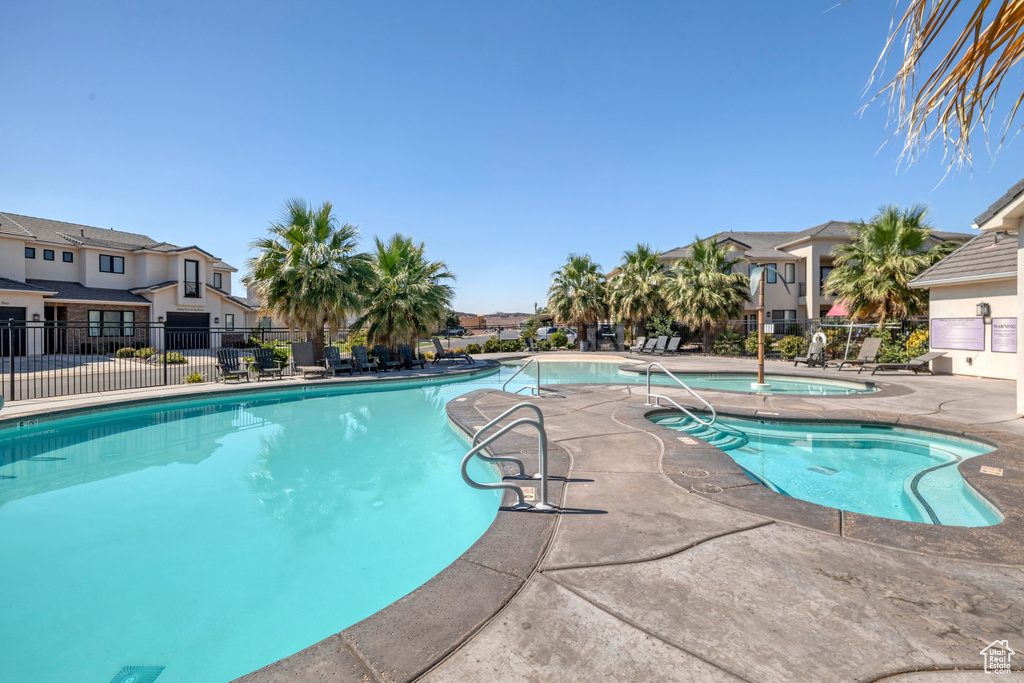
<point x="33" y="304"/>
<point x="12" y="259"/>
<point x="960" y="301"/>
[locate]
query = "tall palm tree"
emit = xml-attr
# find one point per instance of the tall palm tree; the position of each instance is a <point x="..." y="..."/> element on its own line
<point x="635" y="290"/>
<point x="307" y="270"/>
<point x="702" y="290"/>
<point x="873" y="272"/>
<point x="406" y="297"/>
<point x="578" y="293"/>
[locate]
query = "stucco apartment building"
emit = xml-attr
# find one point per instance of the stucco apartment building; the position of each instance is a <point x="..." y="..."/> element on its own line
<point x="110" y="285"/>
<point x="803" y="260"/>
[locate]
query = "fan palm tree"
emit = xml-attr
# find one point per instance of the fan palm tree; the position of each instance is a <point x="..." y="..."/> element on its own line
<point x="578" y="293"/>
<point x="873" y="272"/>
<point x="702" y="290"/>
<point x="635" y="290"/>
<point x="406" y="297"/>
<point x="307" y="270"/>
<point x="960" y="92"/>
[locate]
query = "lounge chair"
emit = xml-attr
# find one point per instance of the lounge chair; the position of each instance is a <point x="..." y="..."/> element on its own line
<point x="449" y="355"/>
<point x="648" y="347"/>
<point x="868" y="353"/>
<point x="384" y="358"/>
<point x="673" y="345"/>
<point x="638" y="344"/>
<point x="362" y="360"/>
<point x="659" y="346"/>
<point x="302" y="360"/>
<point x="335" y="363"/>
<point x="266" y="366"/>
<point x="815" y="355"/>
<point x="230" y="366"/>
<point x="919" y="364"/>
<point x="408" y="360"/>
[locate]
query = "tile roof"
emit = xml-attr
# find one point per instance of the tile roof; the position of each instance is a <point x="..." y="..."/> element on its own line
<point x="241" y="301"/>
<point x="9" y="226"/>
<point x="745" y="240"/>
<point x="16" y="286"/>
<point x="987" y="255"/>
<point x="154" y="287"/>
<point x="999" y="204"/>
<point x="73" y="291"/>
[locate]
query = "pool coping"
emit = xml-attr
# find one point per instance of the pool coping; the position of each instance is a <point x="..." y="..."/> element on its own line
<point x="709" y="472"/>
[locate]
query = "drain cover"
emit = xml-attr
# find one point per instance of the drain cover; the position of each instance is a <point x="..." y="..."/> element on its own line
<point x="137" y="674"/>
<point x="706" y="488"/>
<point x="694" y="473"/>
<point x="821" y="469"/>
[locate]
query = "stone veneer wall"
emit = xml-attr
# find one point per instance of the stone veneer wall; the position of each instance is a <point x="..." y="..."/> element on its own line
<point x="78" y="315"/>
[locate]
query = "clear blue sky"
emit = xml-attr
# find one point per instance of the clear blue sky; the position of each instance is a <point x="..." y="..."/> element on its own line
<point x="504" y="135"/>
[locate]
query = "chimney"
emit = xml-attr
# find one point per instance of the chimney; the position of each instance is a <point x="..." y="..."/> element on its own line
<point x="82" y="231"/>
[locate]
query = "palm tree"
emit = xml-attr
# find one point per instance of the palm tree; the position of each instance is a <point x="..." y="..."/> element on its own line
<point x="960" y="92"/>
<point x="702" y="290"/>
<point x="577" y="293"/>
<point x="635" y="289"/>
<point x="405" y="297"/>
<point x="307" y="271"/>
<point x="873" y="272"/>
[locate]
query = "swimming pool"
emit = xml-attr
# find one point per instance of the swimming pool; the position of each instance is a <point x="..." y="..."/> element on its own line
<point x="584" y="372"/>
<point x="872" y="469"/>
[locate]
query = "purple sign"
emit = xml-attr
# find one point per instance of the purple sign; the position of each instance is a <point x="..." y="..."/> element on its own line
<point x="1004" y="335"/>
<point x="961" y="334"/>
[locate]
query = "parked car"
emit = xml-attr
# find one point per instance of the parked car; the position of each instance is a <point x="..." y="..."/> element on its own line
<point x="456" y="331"/>
<point x="546" y="332"/>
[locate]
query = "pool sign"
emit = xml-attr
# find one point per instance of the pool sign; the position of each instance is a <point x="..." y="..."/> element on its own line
<point x="1004" y="335"/>
<point x="961" y="334"/>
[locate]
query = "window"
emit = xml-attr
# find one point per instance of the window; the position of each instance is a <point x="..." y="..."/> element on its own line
<point x="30" y="252"/>
<point x="192" y="279"/>
<point x="111" y="323"/>
<point x="69" y="257"/>
<point x="771" y="273"/>
<point x="47" y="254"/>
<point x="111" y="264"/>
<point x="750" y="269"/>
<point x="229" y="321"/>
<point x="825" y="271"/>
<point x="218" y="280"/>
<point x="790" y="273"/>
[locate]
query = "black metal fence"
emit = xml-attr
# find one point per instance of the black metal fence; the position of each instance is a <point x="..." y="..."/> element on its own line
<point x="49" y="360"/>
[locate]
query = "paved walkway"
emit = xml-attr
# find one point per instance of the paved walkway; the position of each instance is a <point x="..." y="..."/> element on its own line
<point x="644" y="581"/>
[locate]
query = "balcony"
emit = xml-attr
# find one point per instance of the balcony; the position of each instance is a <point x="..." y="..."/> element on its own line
<point x="193" y="290"/>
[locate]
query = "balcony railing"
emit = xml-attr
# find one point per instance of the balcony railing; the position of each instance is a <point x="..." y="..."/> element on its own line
<point x="193" y="290"/>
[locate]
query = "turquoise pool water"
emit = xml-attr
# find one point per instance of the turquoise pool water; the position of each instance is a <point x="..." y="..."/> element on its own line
<point x="561" y="372"/>
<point x="885" y="472"/>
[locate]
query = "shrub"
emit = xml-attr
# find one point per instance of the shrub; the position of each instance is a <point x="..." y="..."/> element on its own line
<point x="473" y="348"/>
<point x="357" y="338"/>
<point x="459" y="350"/>
<point x="512" y="345"/>
<point x="281" y="353"/>
<point x="429" y="355"/>
<point x="145" y="352"/>
<point x="729" y="343"/>
<point x="791" y="346"/>
<point x="173" y="358"/>
<point x="124" y="352"/>
<point x="193" y="378"/>
<point x="492" y="345"/>
<point x="544" y="345"/>
<point x="751" y="344"/>
<point x="917" y="343"/>
<point x="659" y="326"/>
<point x="559" y="339"/>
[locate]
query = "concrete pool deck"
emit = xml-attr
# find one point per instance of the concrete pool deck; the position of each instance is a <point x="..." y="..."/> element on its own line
<point x="641" y="576"/>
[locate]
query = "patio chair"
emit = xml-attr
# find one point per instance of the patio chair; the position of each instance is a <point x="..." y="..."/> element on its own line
<point x="919" y="364"/>
<point x="868" y="353"/>
<point x="638" y="344"/>
<point x="408" y="360"/>
<point x="673" y="345"/>
<point x="265" y="364"/>
<point x="815" y="355"/>
<point x="449" y="355"/>
<point x="658" y="347"/>
<point x="384" y="358"/>
<point x="335" y="363"/>
<point x="302" y="360"/>
<point x="230" y="366"/>
<point x="362" y="360"/>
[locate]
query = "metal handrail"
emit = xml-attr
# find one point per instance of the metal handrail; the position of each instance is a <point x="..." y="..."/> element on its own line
<point x="521" y="368"/>
<point x="542" y="455"/>
<point x="657" y="397"/>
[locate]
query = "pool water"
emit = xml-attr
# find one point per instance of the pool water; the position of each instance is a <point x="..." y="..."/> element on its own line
<point x="874" y="470"/>
<point x="584" y="372"/>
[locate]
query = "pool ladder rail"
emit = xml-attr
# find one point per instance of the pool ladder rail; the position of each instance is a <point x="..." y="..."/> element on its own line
<point x="658" y="397"/>
<point x="478" y="446"/>
<point x="534" y="389"/>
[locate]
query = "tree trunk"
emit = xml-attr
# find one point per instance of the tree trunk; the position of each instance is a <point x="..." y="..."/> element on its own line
<point x="707" y="337"/>
<point x="317" y="337"/>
